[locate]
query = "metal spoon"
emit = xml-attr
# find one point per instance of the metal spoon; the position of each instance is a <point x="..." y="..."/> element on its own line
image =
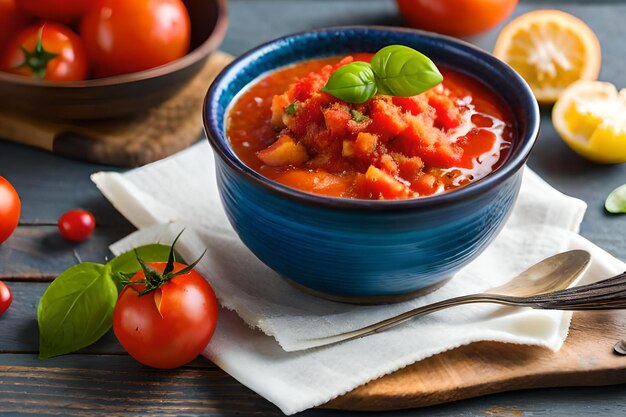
<point x="552" y="274"/>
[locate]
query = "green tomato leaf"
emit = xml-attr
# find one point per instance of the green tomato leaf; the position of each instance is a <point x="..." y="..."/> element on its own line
<point x="76" y="310"/>
<point x="404" y="72"/>
<point x="352" y="83"/>
<point x="616" y="201"/>
<point x="126" y="264"/>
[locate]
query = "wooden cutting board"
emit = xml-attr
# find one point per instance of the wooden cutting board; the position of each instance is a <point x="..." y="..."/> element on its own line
<point x="586" y="359"/>
<point x="162" y="131"/>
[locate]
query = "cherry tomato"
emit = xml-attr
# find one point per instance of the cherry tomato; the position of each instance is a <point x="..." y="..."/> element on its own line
<point x="76" y="225"/>
<point x="12" y="20"/>
<point x="123" y="36"/>
<point x="65" y="11"/>
<point x="9" y="209"/>
<point x="169" y="326"/>
<point x="456" y="17"/>
<point x="5" y="297"/>
<point x="48" y="51"/>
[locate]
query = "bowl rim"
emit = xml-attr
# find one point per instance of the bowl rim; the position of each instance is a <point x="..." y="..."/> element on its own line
<point x="494" y="179"/>
<point x="209" y="45"/>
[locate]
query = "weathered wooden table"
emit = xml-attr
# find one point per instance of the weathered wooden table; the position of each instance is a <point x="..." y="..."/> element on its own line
<point x="103" y="380"/>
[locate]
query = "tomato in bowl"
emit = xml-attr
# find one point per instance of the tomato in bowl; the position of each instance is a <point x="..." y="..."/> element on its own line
<point x="359" y="249"/>
<point x="126" y="88"/>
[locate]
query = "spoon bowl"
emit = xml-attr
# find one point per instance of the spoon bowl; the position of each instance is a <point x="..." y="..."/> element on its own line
<point x="552" y="274"/>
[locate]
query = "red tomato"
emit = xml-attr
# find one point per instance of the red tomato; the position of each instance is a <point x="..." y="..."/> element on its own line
<point x="9" y="209"/>
<point x="169" y="326"/>
<point x="53" y="52"/>
<point x="76" y="225"/>
<point x="5" y="297"/>
<point x="12" y="20"/>
<point x="66" y="11"/>
<point x="456" y="17"/>
<point x="124" y="36"/>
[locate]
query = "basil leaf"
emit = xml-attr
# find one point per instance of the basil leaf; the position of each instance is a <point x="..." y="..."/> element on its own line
<point x="616" y="201"/>
<point x="126" y="264"/>
<point x="402" y="71"/>
<point x="353" y="83"/>
<point x="76" y="310"/>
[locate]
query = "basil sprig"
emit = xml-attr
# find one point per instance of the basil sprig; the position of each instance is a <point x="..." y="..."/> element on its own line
<point x="77" y="308"/>
<point x="616" y="201"/>
<point x="395" y="70"/>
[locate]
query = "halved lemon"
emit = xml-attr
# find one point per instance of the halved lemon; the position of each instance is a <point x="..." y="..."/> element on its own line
<point x="590" y="116"/>
<point x="550" y="49"/>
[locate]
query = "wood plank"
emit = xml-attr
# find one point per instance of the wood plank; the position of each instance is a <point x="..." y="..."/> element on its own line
<point x="49" y="185"/>
<point x="85" y="385"/>
<point x="118" y="385"/>
<point x="39" y="253"/>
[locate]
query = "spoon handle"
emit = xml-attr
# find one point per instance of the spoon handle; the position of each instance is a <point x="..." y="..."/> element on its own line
<point x="608" y="294"/>
<point x="416" y="312"/>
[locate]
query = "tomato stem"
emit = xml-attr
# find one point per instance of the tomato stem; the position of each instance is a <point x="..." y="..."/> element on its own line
<point x="37" y="60"/>
<point x="154" y="279"/>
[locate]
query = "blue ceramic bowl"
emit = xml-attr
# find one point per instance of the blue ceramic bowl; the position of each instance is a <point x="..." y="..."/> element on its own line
<point x="361" y="250"/>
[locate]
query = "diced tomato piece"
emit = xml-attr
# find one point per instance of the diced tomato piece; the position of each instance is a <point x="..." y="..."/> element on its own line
<point x="381" y="186"/>
<point x="279" y="104"/>
<point x="354" y="128"/>
<point x="419" y="134"/>
<point x="387" y="119"/>
<point x="347" y="149"/>
<point x="309" y="113"/>
<point x="426" y="184"/>
<point x="409" y="168"/>
<point x="448" y="114"/>
<point x="318" y="139"/>
<point x="285" y="151"/>
<point x="414" y="105"/>
<point x="319" y="182"/>
<point x="388" y="164"/>
<point x="305" y="87"/>
<point x="428" y="143"/>
<point x="365" y="145"/>
<point x="337" y="117"/>
<point x="443" y="156"/>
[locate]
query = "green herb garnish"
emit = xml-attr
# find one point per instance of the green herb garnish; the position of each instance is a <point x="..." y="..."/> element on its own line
<point x="616" y="201"/>
<point x="357" y="116"/>
<point x="291" y="109"/>
<point x="353" y="83"/>
<point x="403" y="72"/>
<point x="76" y="310"/>
<point x="395" y="70"/>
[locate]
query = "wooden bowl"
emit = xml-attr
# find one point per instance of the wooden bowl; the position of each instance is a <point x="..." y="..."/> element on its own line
<point x="121" y="95"/>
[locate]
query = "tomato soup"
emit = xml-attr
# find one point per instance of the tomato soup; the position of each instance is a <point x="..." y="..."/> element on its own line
<point x="286" y="129"/>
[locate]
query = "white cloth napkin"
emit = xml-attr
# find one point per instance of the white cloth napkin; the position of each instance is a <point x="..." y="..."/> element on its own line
<point x="279" y="362"/>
